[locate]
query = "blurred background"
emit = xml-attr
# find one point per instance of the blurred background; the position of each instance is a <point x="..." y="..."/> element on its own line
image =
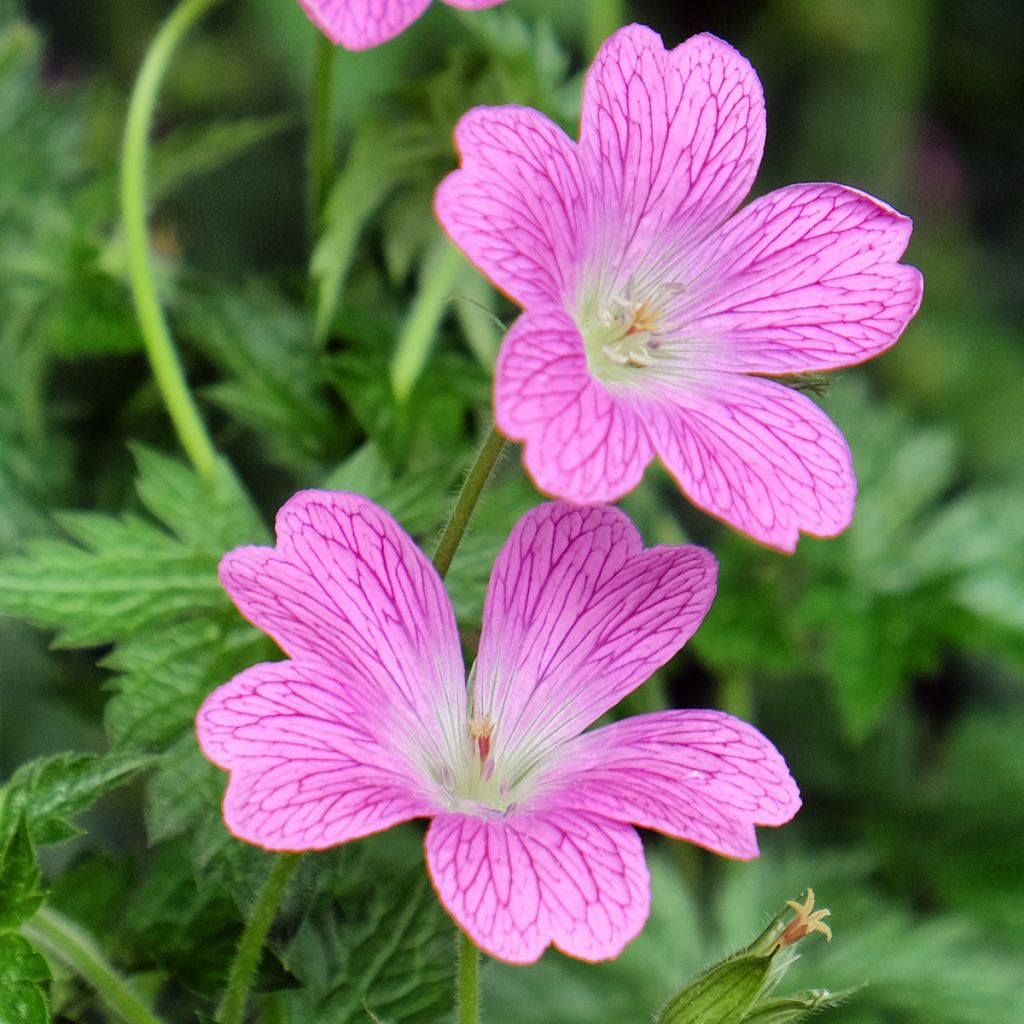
<point x="888" y="664"/>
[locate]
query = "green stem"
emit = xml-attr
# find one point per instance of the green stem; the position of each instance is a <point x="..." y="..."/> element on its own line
<point x="250" y="947"/>
<point x="472" y="488"/>
<point x="469" y="981"/>
<point x="157" y="337"/>
<point x="321" y="132"/>
<point x="64" y="942"/>
<point x="603" y="18"/>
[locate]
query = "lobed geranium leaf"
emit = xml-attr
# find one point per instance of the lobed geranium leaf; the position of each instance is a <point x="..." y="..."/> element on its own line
<point x="272" y="383"/>
<point x="124" y="575"/>
<point x="21" y="892"/>
<point x="50" y="790"/>
<point x="375" y="940"/>
<point x="208" y="516"/>
<point x="163" y="676"/>
<point x="23" y="973"/>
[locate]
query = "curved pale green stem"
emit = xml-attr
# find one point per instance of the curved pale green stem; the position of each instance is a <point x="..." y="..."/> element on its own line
<point x="472" y="488"/>
<point x="64" y="942"/>
<point x="469" y="981"/>
<point x="321" y="132"/>
<point x="250" y="947"/>
<point x="157" y="337"/>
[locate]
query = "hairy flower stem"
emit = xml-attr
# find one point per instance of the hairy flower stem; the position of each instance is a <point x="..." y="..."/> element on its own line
<point x="64" y="942"/>
<point x="469" y="981"/>
<point x="250" y="946"/>
<point x="472" y="488"/>
<point x="321" y="133"/>
<point x="157" y="336"/>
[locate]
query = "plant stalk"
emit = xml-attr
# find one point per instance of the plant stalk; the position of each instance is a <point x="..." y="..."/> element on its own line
<point x="163" y="357"/>
<point x="250" y="947"/>
<point x="64" y="942"/>
<point x="469" y="981"/>
<point x="472" y="488"/>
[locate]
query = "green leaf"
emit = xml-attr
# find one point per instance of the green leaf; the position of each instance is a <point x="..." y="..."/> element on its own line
<point x="208" y="516"/>
<point x="189" y="152"/>
<point x="373" y="940"/>
<point x="165" y="674"/>
<point x="23" y="973"/>
<point x="722" y="995"/>
<point x="126" y="575"/>
<point x="794" y="1008"/>
<point x="50" y="790"/>
<point x="418" y="498"/>
<point x="273" y="384"/>
<point x="21" y="891"/>
<point x="190" y="930"/>
<point x="381" y="159"/>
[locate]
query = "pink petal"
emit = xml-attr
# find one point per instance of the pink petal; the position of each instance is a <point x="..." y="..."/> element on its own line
<point x="473" y="5"/>
<point x="674" y="138"/>
<point x="804" y="278"/>
<point x="702" y="776"/>
<point x="759" y="456"/>
<point x="346" y="587"/>
<point x="581" y="444"/>
<point x="361" y="24"/>
<point x="315" y="759"/>
<point x="578" y="614"/>
<point x="519" y="207"/>
<point x="516" y="884"/>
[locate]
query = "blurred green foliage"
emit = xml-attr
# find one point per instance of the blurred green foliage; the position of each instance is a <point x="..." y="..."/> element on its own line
<point x="888" y="664"/>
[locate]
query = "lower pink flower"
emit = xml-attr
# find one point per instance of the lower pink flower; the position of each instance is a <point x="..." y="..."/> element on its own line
<point x="362" y="24"/>
<point x="369" y="724"/>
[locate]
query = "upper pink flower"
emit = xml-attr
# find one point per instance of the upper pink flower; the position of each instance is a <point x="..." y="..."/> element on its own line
<point x="361" y="24"/>
<point x="651" y="316"/>
<point x="369" y="723"/>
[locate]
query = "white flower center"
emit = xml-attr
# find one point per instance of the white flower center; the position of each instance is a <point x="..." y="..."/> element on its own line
<point x="623" y="331"/>
<point x="478" y="779"/>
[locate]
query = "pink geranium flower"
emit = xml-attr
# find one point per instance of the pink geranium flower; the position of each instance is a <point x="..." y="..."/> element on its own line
<point x="361" y="24"/>
<point x="651" y="316"/>
<point x="369" y="722"/>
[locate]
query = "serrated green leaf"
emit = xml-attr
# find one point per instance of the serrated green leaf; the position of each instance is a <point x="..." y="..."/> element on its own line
<point x="50" y="790"/>
<point x="378" y="942"/>
<point x="208" y="516"/>
<point x="722" y="995"/>
<point x="173" y="917"/>
<point x="165" y="674"/>
<point x="272" y="379"/>
<point x="21" y="891"/>
<point x="23" y="972"/>
<point x="129" y="575"/>
<point x="186" y="791"/>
